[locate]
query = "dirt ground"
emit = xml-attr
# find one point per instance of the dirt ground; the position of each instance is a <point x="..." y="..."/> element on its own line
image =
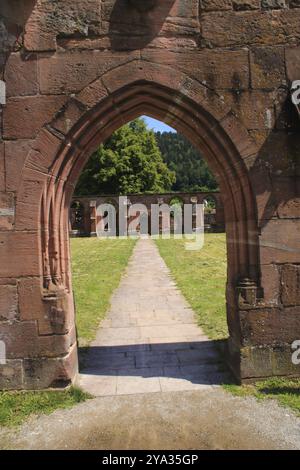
<point x="208" y="419"/>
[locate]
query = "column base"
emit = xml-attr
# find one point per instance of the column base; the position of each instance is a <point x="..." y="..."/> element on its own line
<point x="252" y="363"/>
<point x="40" y="373"/>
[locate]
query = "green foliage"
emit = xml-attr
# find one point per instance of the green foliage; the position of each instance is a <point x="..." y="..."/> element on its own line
<point x="286" y="391"/>
<point x="201" y="277"/>
<point x="97" y="267"/>
<point x="137" y="160"/>
<point x="15" y="407"/>
<point x="128" y="162"/>
<point x="192" y="172"/>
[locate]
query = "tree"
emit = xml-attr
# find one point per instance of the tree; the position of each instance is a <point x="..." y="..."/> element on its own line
<point x="192" y="172"/>
<point x="128" y="162"/>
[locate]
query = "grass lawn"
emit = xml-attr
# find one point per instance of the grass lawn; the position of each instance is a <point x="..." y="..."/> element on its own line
<point x="97" y="269"/>
<point x="201" y="277"/>
<point x="285" y="391"/>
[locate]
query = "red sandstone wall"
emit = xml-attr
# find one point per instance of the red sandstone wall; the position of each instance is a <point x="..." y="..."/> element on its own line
<point x="65" y="57"/>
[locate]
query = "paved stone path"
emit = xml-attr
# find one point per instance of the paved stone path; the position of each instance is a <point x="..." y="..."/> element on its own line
<point x="149" y="341"/>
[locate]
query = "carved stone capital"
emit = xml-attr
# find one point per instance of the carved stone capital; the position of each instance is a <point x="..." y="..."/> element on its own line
<point x="247" y="293"/>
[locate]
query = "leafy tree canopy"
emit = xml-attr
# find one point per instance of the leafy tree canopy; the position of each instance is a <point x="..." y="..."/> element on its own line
<point x="128" y="162"/>
<point x="137" y="160"/>
<point x="192" y="172"/>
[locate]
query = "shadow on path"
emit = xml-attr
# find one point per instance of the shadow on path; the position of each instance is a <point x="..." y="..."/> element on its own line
<point x="155" y="367"/>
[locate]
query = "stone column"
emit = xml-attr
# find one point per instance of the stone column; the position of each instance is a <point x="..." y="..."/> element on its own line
<point x="93" y="218"/>
<point x="86" y="218"/>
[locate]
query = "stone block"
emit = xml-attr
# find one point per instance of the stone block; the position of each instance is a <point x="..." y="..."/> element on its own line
<point x="266" y="361"/>
<point x="70" y="72"/>
<point x="267" y="65"/>
<point x="43" y="152"/>
<point x="244" y="5"/>
<point x="270" y="326"/>
<point x="30" y="299"/>
<point x="16" y="152"/>
<point x="7" y="211"/>
<point x="171" y="17"/>
<point x="239" y="135"/>
<point x="287" y="202"/>
<point x="24" y="117"/>
<point x="66" y="18"/>
<point x="22" y="340"/>
<point x="93" y="94"/>
<point x="8" y="302"/>
<point x="274" y="4"/>
<point x="250" y="27"/>
<point x="2" y="167"/>
<point x="54" y="345"/>
<point x="290" y="285"/>
<point x="17" y="255"/>
<point x="21" y="75"/>
<point x="215" y="69"/>
<point x="215" y="5"/>
<point x="255" y="109"/>
<point x="11" y="375"/>
<point x="279" y="241"/>
<point x="28" y="208"/>
<point x="292" y="58"/>
<point x="68" y="116"/>
<point x="270" y="279"/>
<point x="54" y="315"/>
<point x="40" y="373"/>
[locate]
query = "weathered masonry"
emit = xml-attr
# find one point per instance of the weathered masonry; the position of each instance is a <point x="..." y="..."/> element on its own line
<point x="220" y="72"/>
<point x="84" y="217"/>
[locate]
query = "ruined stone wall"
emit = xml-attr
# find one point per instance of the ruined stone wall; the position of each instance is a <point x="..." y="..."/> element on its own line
<point x="230" y="63"/>
<point x="86" y="208"/>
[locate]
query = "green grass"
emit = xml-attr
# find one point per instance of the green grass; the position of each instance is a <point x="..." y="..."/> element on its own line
<point x="15" y="407"/>
<point x="97" y="267"/>
<point x="285" y="391"/>
<point x="201" y="277"/>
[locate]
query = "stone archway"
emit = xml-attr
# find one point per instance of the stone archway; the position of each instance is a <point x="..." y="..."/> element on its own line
<point x="65" y="159"/>
<point x="76" y="91"/>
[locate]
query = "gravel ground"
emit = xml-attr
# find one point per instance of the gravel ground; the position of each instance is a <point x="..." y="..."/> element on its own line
<point x="208" y="419"/>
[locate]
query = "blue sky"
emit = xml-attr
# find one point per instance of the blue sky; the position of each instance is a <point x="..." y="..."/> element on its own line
<point x="157" y="125"/>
